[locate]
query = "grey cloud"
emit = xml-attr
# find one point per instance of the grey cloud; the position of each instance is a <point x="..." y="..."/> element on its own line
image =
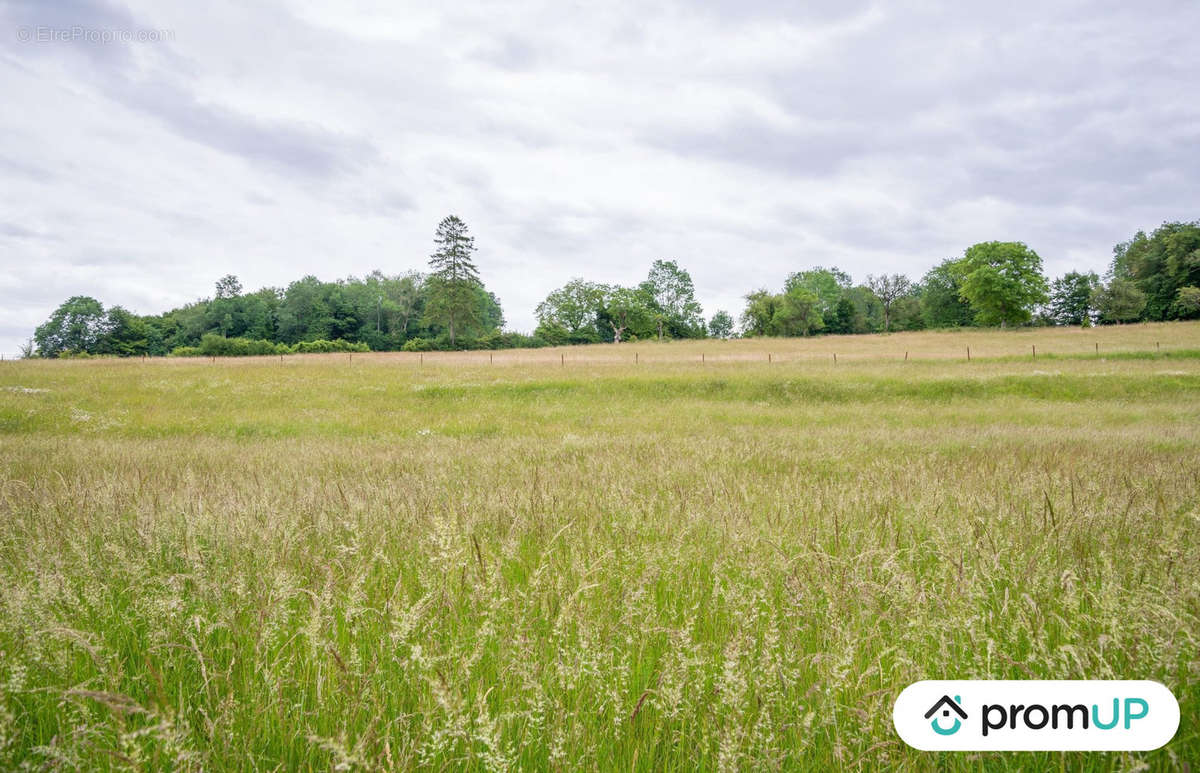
<point x="510" y="53"/>
<point x="308" y="149"/>
<point x="802" y="152"/>
<point x="303" y="148"/>
<point x="16" y="231"/>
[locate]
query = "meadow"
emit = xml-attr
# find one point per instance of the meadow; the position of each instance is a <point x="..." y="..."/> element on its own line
<point x="678" y="556"/>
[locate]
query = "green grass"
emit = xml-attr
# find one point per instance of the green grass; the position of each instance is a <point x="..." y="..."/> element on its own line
<point x="256" y="565"/>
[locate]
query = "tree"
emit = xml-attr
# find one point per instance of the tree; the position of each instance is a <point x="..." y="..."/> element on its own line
<point x="761" y="306"/>
<point x="400" y="300"/>
<point x="228" y="286"/>
<point x="942" y="304"/>
<point x="1187" y="303"/>
<point x="672" y="295"/>
<point x="799" y="313"/>
<point x="576" y="308"/>
<point x="1002" y="281"/>
<point x="721" y="325"/>
<point x="453" y="279"/>
<point x="1119" y="301"/>
<point x="828" y="284"/>
<point x="624" y="308"/>
<point x="75" y="326"/>
<point x="1071" y="297"/>
<point x="889" y="288"/>
<point x="1159" y="265"/>
<point x="125" y="334"/>
<point x="843" y="317"/>
<point x="304" y="312"/>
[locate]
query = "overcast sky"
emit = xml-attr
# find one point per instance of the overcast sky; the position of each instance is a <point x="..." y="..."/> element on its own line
<point x="745" y="139"/>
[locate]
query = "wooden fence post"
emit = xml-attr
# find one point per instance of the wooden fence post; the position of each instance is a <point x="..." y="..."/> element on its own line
<point x="968" y="354"/>
<point x="1035" y="351"/>
<point x="835" y="358"/>
<point x="906" y="356"/>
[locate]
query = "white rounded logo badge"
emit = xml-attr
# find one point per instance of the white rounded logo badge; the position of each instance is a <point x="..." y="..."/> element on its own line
<point x="1033" y="715"/>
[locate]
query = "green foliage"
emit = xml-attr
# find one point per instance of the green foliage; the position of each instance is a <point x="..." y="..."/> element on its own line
<point x="827" y="284"/>
<point x="1160" y="265"/>
<point x="671" y="298"/>
<point x="1187" y="303"/>
<point x="868" y="310"/>
<point x="1002" y="281"/>
<point x="627" y="310"/>
<point x="228" y="286"/>
<point x="76" y="326"/>
<point x="125" y="334"/>
<point x="889" y="289"/>
<point x="994" y="283"/>
<point x="213" y="345"/>
<point x="571" y="314"/>
<point x="757" y="317"/>
<point x="942" y="304"/>
<point x="418" y="345"/>
<point x="1071" y="297"/>
<point x="799" y="312"/>
<point x="721" y="325"/>
<point x="843" y="319"/>
<point x="453" y="280"/>
<point x="1119" y="301"/>
<point x="327" y="347"/>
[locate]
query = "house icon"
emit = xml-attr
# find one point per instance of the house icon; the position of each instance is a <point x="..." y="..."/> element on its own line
<point x="945" y="706"/>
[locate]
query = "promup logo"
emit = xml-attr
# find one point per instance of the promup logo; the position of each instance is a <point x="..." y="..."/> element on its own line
<point x="948" y="704"/>
<point x="1011" y="715"/>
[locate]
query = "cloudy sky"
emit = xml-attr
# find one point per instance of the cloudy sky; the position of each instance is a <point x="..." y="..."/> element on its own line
<point x="149" y="147"/>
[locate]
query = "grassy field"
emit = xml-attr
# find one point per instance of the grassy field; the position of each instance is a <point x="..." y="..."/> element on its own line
<point x="561" y="559"/>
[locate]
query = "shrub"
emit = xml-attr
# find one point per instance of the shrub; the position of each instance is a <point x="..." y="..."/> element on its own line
<point x="417" y="345"/>
<point x="213" y="345"/>
<point x="321" y="346"/>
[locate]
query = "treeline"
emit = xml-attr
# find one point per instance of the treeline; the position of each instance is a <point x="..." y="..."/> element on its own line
<point x="446" y="308"/>
<point x="1151" y="278"/>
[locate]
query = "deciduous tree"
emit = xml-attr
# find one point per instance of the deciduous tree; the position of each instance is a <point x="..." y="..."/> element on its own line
<point x="721" y="325"/>
<point x="889" y="288"/>
<point x="1119" y="301"/>
<point x="75" y="326"/>
<point x="1002" y="281"/>
<point x="1071" y="297"/>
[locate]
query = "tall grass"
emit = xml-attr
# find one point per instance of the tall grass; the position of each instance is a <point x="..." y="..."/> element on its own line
<point x="454" y="564"/>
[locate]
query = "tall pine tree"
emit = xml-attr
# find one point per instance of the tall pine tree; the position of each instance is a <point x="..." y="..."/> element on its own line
<point x="454" y="280"/>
